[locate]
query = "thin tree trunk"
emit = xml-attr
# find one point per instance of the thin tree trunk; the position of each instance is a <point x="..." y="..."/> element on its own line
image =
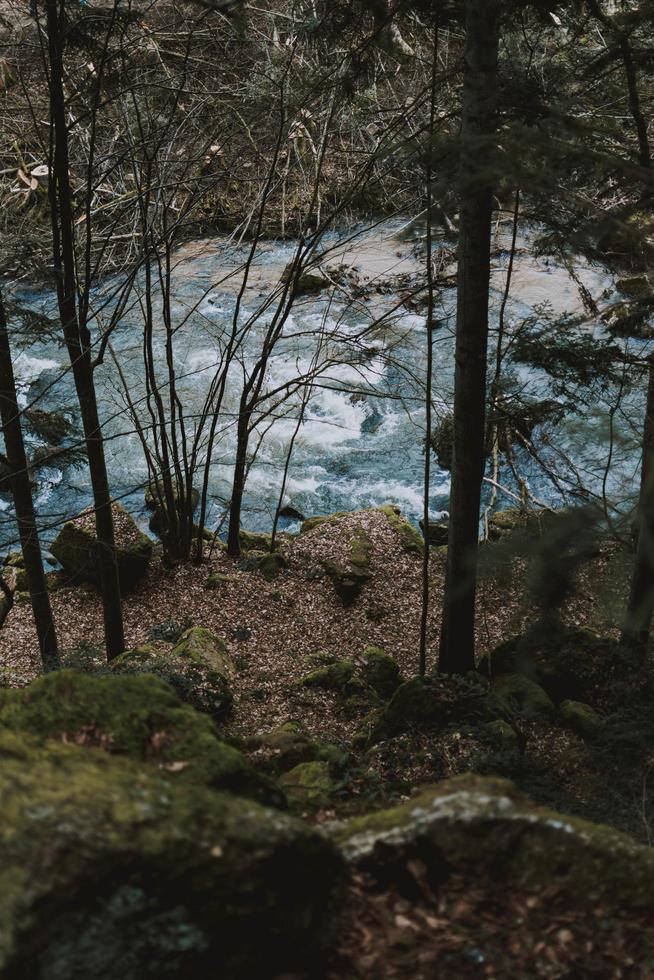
<point x="457" y="651"/>
<point x="77" y="336"/>
<point x="424" y="604"/>
<point x="238" y="485"/>
<point x="23" y="503"/>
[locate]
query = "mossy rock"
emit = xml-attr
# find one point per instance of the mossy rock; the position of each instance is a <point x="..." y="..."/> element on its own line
<point x="484" y="829"/>
<point x="636" y="287"/>
<point x="309" y="784"/>
<point x="305" y="281"/>
<point x="563" y="661"/>
<point x="501" y="735"/>
<point x="254" y="541"/>
<point x="53" y="580"/>
<point x="271" y="564"/>
<point x="134" y="715"/>
<point x="331" y="677"/>
<point x="202" y="646"/>
<point x="438" y="533"/>
<point x="76" y="549"/>
<point x="288" y="746"/>
<point x="517" y="695"/>
<point x="515" y="520"/>
<point x="412" y="708"/>
<point x="582" y="719"/>
<point x="218" y="581"/>
<point x="195" y="683"/>
<point x="348" y="582"/>
<point x="107" y="870"/>
<point x="410" y="538"/>
<point x="379" y="671"/>
<point x="424" y="704"/>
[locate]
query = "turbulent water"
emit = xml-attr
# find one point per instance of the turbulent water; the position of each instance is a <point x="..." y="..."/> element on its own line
<point x="361" y="440"/>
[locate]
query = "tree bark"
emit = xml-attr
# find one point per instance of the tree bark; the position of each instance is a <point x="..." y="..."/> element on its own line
<point x="23" y="503"/>
<point x="640" y="605"/>
<point x="238" y="485"/>
<point x="76" y="333"/>
<point x="457" y="649"/>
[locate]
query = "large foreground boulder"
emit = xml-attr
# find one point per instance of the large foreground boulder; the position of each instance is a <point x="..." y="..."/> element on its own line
<point x="108" y="871"/>
<point x="482" y="827"/>
<point x="76" y="548"/>
<point x="139" y="717"/>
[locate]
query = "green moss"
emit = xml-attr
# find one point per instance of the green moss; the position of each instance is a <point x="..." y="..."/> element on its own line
<point x="501" y="735"/>
<point x="202" y="646"/>
<point x="194" y="682"/>
<point x="360" y="550"/>
<point x="516" y="694"/>
<point x="109" y="871"/>
<point x="76" y="548"/>
<point x="412" y="707"/>
<point x="332" y="677"/>
<point x="581" y="718"/>
<point x="484" y="828"/>
<point x="218" y="581"/>
<point x="138" y="716"/>
<point x="379" y="671"/>
<point x="410" y="538"/>
<point x="254" y="541"/>
<point x="309" y="784"/>
<point x="271" y="564"/>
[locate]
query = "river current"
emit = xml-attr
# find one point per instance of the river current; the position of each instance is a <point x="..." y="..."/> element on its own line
<point x="361" y="440"/>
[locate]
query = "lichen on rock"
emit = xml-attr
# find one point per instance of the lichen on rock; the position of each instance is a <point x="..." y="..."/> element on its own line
<point x="483" y="827"/>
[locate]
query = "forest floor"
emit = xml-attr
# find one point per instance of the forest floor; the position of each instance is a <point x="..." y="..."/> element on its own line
<point x="276" y="631"/>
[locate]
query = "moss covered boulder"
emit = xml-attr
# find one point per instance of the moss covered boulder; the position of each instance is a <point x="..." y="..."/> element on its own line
<point x="194" y="682"/>
<point x="582" y="719"/>
<point x="76" y="548"/>
<point x="410" y="538"/>
<point x="379" y="671"/>
<point x="268" y="563"/>
<point x="202" y="646"/>
<point x="139" y="717"/>
<point x="482" y="827"/>
<point x="517" y="695"/>
<point x="565" y="662"/>
<point x="107" y="870"/>
<point x="348" y="581"/>
<point x="309" y="784"/>
<point x="331" y="677"/>
<point x="431" y="703"/>
<point x="287" y="746"/>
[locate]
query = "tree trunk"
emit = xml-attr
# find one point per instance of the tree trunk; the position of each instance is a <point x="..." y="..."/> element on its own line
<point x="457" y="650"/>
<point x="238" y="486"/>
<point x="77" y="336"/>
<point x="640" y="606"/>
<point x="22" y="494"/>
